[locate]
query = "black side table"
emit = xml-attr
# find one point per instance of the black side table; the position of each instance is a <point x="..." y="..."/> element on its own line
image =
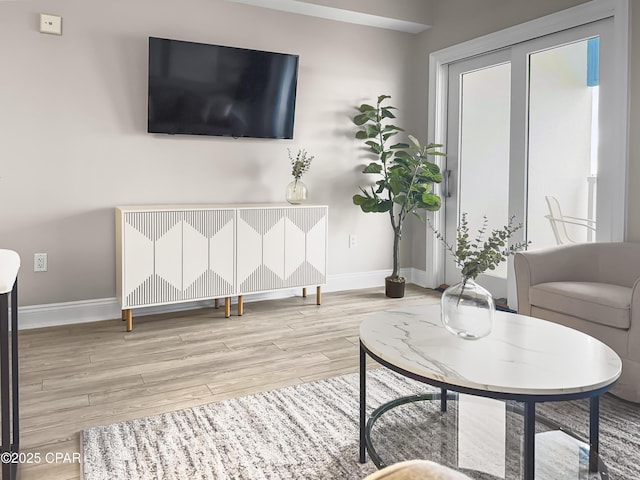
<point x="9" y="266"/>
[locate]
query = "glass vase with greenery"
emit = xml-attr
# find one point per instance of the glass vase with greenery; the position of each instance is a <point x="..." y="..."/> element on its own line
<point x="477" y="255"/>
<point x="467" y="308"/>
<point x="296" y="191"/>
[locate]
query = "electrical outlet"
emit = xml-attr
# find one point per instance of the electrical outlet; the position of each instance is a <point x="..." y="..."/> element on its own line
<point x="353" y="240"/>
<point x="39" y="262"/>
<point x="50" y="24"/>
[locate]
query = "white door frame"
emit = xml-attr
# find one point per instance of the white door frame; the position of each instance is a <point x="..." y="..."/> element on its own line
<point x="576" y="16"/>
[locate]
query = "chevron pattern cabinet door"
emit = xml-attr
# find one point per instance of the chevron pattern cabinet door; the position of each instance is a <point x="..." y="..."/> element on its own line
<point x="306" y="247"/>
<point x="260" y="249"/>
<point x="176" y="256"/>
<point x="208" y="253"/>
<point x="281" y="247"/>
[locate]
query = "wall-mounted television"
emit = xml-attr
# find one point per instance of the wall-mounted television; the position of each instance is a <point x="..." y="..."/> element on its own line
<point x="201" y="89"/>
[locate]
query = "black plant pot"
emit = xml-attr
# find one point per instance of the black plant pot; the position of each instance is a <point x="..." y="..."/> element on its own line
<point x="394" y="287"/>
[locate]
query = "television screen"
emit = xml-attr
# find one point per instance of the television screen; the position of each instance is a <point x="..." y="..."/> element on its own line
<point x="202" y="89"/>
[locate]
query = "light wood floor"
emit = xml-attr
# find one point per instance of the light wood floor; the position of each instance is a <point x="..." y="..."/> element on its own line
<point x="78" y="376"/>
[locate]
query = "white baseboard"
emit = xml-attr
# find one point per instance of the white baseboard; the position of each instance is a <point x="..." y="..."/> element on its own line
<point x="69" y="313"/>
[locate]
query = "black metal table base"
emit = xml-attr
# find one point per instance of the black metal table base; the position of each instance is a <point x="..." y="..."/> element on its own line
<point x="528" y="411"/>
<point x="9" y="384"/>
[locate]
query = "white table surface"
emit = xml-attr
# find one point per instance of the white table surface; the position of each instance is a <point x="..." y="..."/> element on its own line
<point x="522" y="355"/>
<point x="9" y="266"/>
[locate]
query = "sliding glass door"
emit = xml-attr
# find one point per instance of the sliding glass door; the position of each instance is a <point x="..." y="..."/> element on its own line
<point x="527" y="128"/>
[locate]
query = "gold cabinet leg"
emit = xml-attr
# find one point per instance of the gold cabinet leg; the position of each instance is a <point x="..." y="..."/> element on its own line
<point x="240" y="306"/>
<point x="318" y="295"/>
<point x="127" y="315"/>
<point x="227" y="307"/>
<point x="216" y="303"/>
<point x="304" y="292"/>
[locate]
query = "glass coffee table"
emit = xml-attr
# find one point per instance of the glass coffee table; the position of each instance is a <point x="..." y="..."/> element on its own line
<point x="523" y="362"/>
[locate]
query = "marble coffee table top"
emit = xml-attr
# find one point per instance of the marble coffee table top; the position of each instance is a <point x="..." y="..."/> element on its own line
<point x="9" y="266"/>
<point x="522" y="355"/>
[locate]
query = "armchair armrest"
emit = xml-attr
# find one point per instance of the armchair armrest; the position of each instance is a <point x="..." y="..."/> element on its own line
<point x="566" y="262"/>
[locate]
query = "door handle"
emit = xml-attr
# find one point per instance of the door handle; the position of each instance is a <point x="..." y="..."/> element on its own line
<point x="446" y="190"/>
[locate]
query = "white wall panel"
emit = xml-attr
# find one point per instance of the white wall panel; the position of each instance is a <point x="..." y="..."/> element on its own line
<point x="316" y="240"/>
<point x="195" y="261"/>
<point x="296" y="248"/>
<point x="222" y="256"/>
<point x="249" y="251"/>
<point x="137" y="259"/>
<point x="273" y="246"/>
<point x="168" y="256"/>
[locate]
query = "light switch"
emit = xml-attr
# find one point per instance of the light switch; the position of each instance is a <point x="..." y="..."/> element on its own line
<point x="50" y="24"/>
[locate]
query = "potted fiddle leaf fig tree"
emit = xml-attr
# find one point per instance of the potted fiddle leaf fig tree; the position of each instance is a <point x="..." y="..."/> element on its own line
<point x="403" y="177"/>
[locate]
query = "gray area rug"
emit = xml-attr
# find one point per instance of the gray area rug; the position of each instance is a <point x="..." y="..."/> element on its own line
<point x="310" y="431"/>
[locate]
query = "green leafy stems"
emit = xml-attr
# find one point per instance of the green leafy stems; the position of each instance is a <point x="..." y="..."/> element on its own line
<point x="300" y="163"/>
<point x="477" y="255"/>
<point x="405" y="176"/>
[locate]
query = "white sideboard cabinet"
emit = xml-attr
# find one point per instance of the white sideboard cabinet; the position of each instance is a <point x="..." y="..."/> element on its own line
<point x="172" y="254"/>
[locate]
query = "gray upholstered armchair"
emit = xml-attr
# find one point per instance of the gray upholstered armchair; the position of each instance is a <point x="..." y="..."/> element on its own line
<point x="594" y="288"/>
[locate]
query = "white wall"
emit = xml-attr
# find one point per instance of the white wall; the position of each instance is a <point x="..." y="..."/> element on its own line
<point x="73" y="141"/>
